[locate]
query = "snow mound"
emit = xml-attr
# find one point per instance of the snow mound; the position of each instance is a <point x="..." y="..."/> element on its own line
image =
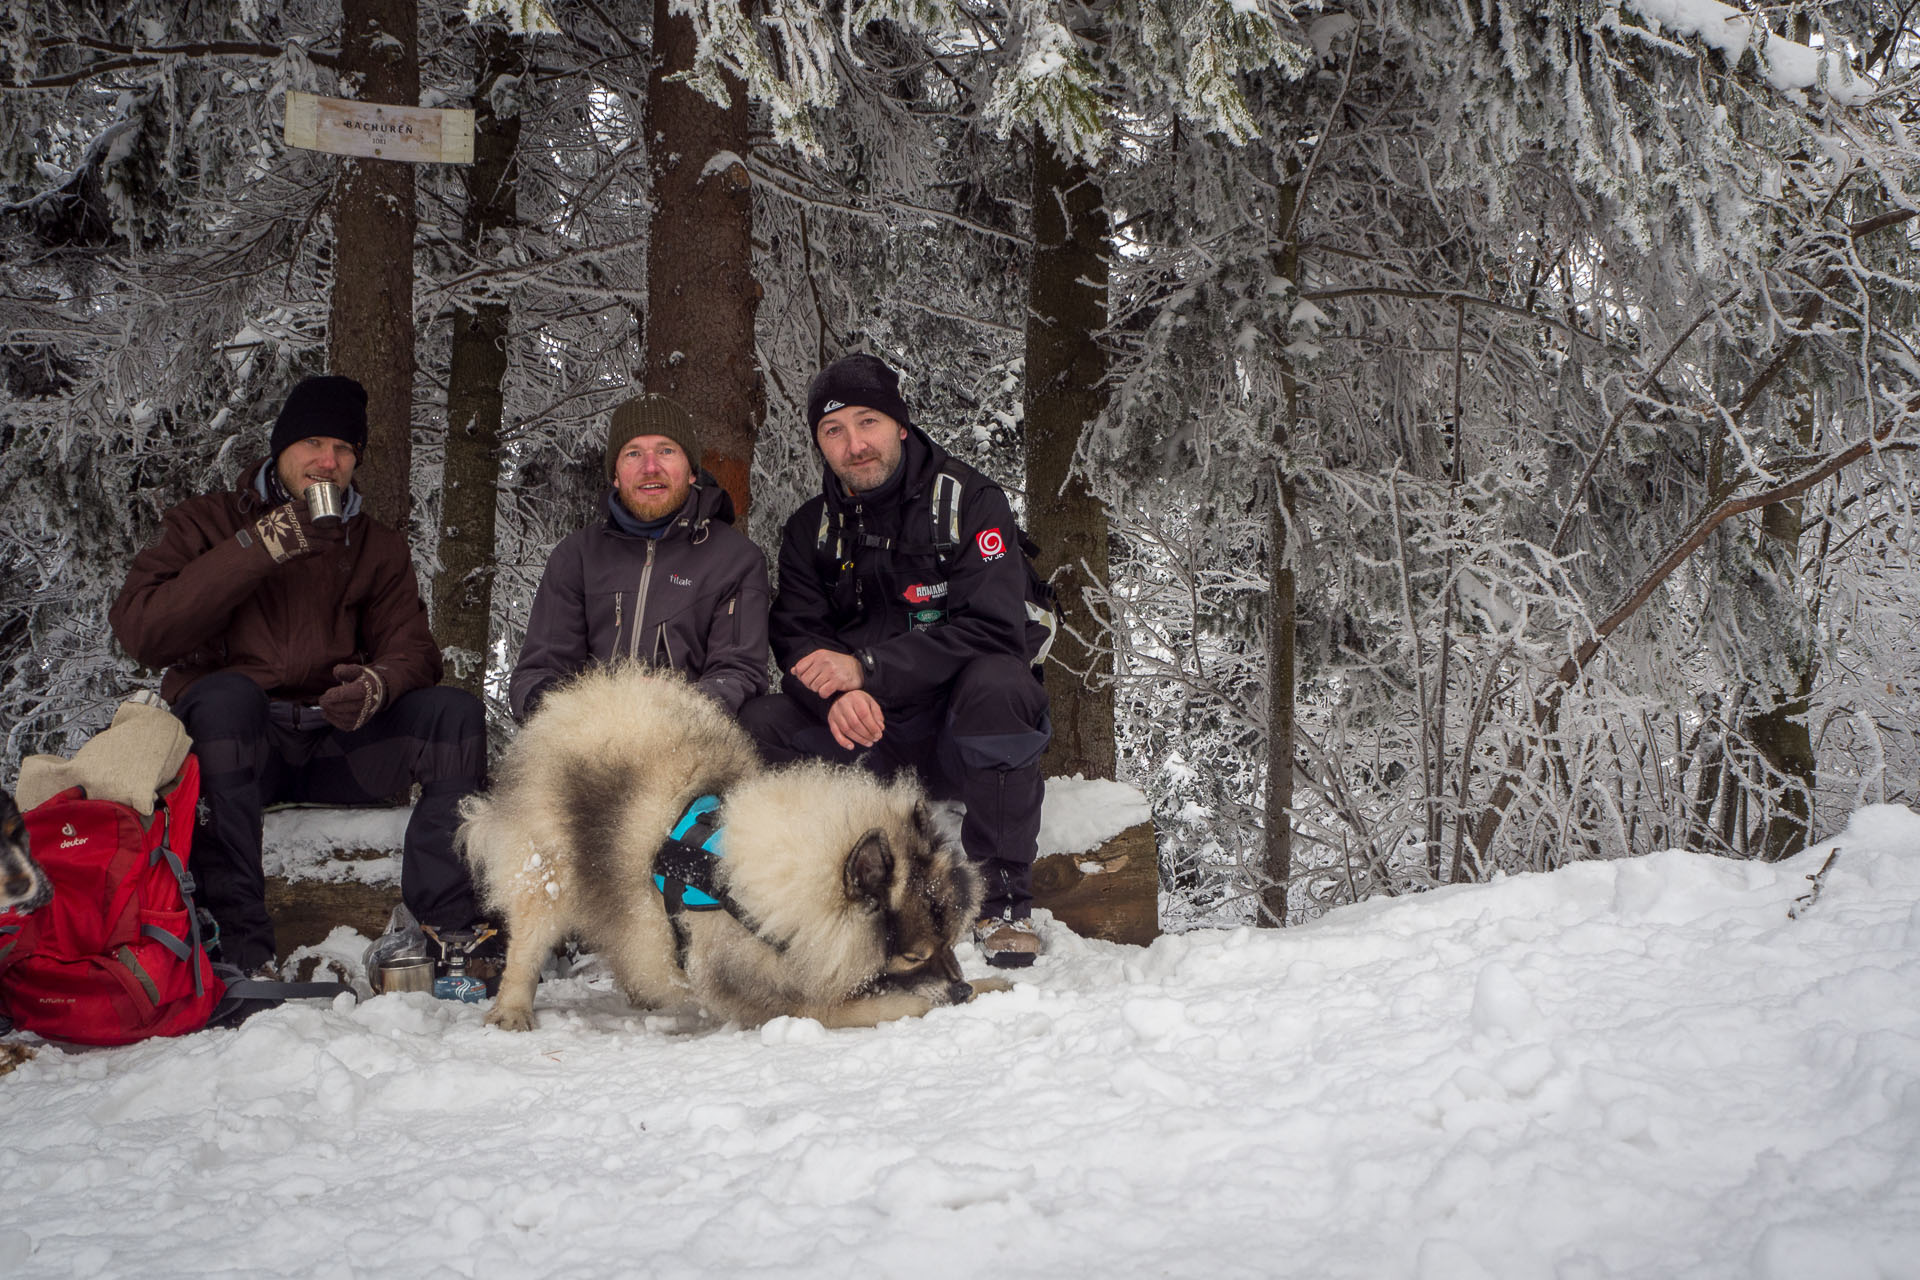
<point x="1084" y="813"/>
<point x="1642" y="1068"/>
<point x="301" y="843"/>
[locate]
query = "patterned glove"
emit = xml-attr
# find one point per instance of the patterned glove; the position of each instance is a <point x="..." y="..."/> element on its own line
<point x="351" y="703"/>
<point x="289" y="532"/>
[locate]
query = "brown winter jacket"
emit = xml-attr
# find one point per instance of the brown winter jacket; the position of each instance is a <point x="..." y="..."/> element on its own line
<point x="693" y="599"/>
<point x="204" y="599"/>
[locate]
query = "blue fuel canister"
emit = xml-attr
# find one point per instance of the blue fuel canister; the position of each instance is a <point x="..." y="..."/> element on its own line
<point x="459" y="986"/>
<point x="456" y="948"/>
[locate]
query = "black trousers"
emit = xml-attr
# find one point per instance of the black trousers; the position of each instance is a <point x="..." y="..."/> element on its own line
<point x="252" y="754"/>
<point x="979" y="742"/>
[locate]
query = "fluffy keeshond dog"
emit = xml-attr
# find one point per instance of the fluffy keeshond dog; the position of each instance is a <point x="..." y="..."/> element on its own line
<point x="843" y="899"/>
<point x="23" y="885"/>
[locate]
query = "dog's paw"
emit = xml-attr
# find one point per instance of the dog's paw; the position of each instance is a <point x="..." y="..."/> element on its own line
<point x="509" y="1018"/>
<point x="981" y="986"/>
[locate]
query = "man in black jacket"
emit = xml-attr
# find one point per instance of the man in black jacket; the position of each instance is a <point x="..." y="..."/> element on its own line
<point x="664" y="579"/>
<point x="902" y="626"/>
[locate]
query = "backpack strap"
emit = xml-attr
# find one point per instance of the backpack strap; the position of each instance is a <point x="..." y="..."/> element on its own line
<point x="247" y="996"/>
<point x="184" y="949"/>
<point x="832" y="527"/>
<point x="944" y="513"/>
<point x="833" y="545"/>
<point x="833" y="556"/>
<point x="262" y="989"/>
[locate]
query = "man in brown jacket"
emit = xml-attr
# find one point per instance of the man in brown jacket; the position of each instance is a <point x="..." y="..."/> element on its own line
<point x="297" y="654"/>
<point x="663" y="579"/>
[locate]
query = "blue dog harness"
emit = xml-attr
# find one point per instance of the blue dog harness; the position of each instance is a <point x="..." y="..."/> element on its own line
<point x="683" y="868"/>
<point x="684" y="871"/>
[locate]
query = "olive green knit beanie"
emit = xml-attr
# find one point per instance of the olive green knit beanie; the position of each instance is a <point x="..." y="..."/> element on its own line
<point x="651" y="416"/>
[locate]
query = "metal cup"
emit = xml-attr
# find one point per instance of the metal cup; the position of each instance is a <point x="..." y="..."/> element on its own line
<point x="406" y="973"/>
<point x="323" y="501"/>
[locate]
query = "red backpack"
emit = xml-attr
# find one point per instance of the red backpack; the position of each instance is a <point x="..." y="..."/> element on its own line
<point x="116" y="956"/>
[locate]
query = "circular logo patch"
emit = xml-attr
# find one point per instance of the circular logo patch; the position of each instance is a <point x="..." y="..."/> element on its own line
<point x="992" y="544"/>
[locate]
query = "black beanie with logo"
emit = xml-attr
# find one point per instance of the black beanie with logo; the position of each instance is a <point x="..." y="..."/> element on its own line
<point x="328" y="405"/>
<point x="864" y="380"/>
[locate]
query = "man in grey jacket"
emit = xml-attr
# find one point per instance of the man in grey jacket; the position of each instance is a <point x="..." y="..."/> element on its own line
<point x="664" y="579"/>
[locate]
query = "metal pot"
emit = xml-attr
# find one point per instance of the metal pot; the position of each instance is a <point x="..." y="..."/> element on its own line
<point x="404" y="973"/>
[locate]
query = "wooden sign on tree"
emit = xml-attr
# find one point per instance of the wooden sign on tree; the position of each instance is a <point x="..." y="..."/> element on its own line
<point x="378" y="130"/>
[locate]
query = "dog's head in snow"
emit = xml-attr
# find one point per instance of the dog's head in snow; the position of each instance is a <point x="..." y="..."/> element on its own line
<point x="23" y="885"/>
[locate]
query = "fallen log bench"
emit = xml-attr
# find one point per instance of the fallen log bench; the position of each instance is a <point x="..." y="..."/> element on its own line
<point x="1099" y="865"/>
<point x="328" y="867"/>
<point x="1111" y="892"/>
<point x="304" y="912"/>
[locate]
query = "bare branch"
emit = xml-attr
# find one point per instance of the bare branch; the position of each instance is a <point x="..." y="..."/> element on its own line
<point x="130" y="57"/>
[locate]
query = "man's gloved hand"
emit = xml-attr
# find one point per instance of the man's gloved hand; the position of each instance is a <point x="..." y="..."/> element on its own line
<point x="352" y="702"/>
<point x="289" y="532"/>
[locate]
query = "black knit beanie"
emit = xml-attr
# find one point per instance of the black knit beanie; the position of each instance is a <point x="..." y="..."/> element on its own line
<point x="651" y="416"/>
<point x="328" y="405"/>
<point x="864" y="380"/>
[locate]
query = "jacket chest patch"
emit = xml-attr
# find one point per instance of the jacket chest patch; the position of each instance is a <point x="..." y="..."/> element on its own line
<point x="925" y="592"/>
<point x="679" y="581"/>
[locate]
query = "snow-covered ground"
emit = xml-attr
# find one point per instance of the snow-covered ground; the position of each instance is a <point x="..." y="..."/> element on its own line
<point x="1641" y="1068"/>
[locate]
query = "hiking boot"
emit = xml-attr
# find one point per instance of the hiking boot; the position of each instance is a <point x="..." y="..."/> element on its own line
<point x="265" y="971"/>
<point x="1007" y="944"/>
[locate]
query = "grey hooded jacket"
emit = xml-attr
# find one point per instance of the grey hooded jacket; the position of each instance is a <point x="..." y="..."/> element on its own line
<point x="693" y="599"/>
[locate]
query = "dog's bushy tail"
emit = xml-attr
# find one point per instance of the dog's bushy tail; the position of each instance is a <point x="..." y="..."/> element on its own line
<point x="483" y="839"/>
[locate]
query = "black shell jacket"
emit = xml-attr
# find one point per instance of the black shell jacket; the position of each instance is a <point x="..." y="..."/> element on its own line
<point x="694" y="599"/>
<point x="912" y="623"/>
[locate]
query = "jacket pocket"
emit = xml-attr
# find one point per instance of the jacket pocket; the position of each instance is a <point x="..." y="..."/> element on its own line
<point x="607" y="625"/>
<point x="674" y="636"/>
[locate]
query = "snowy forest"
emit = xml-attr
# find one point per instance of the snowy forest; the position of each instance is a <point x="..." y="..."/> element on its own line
<point x="1466" y="436"/>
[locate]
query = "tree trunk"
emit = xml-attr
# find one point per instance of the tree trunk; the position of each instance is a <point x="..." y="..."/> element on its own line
<point x="1782" y="737"/>
<point x="463" y="593"/>
<point x="1276" y="869"/>
<point x="701" y="294"/>
<point x="1277" y="857"/>
<point x="370" y="328"/>
<point x="1066" y="312"/>
<point x="1780" y="733"/>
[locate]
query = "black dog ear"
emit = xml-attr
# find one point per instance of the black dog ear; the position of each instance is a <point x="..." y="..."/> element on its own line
<point x="869" y="868"/>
